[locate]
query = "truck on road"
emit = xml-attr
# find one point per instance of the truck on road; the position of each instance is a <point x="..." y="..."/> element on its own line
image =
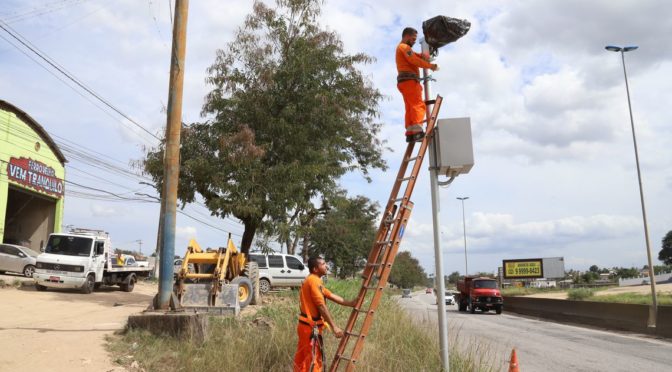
<point x="83" y="259"/>
<point x="479" y="293"/>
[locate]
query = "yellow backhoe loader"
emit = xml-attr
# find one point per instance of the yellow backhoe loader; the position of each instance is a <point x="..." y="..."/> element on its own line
<point x="200" y="281"/>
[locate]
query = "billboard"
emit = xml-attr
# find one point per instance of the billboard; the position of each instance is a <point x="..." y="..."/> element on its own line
<point x="523" y="269"/>
<point x="534" y="268"/>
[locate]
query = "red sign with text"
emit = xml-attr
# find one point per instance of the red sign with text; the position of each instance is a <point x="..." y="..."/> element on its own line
<point x="35" y="174"/>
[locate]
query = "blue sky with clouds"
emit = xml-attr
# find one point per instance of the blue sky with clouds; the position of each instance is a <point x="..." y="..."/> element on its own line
<point x="555" y="170"/>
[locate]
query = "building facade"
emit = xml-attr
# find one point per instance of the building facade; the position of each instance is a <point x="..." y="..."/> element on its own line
<point x="32" y="180"/>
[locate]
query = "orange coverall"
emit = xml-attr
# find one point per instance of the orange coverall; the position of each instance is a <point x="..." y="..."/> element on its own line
<point x="408" y="70"/>
<point x="309" y="349"/>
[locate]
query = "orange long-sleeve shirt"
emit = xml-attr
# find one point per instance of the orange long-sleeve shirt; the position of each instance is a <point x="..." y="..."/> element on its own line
<point x="409" y="61"/>
<point x="313" y="294"/>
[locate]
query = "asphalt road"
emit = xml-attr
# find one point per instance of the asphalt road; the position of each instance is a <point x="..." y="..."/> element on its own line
<point x="540" y="345"/>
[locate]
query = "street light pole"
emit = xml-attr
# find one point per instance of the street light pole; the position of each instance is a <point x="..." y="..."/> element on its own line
<point x="464" y="229"/>
<point x="653" y="309"/>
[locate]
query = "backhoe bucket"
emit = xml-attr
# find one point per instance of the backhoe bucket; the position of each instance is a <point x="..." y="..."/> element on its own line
<point x="197" y="297"/>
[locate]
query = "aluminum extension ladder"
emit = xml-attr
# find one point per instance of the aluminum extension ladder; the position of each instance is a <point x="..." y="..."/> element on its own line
<point x="383" y="252"/>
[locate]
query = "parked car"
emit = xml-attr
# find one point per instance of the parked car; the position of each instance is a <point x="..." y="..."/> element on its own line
<point x="279" y="270"/>
<point x="130" y="261"/>
<point x="406" y="293"/>
<point x="428" y="291"/>
<point x="449" y="298"/>
<point x="18" y="259"/>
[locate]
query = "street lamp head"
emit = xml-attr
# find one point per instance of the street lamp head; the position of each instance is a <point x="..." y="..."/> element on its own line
<point x="462" y="198"/>
<point x="613" y="48"/>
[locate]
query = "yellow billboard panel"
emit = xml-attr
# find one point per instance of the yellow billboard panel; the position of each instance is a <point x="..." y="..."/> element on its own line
<point x="528" y="268"/>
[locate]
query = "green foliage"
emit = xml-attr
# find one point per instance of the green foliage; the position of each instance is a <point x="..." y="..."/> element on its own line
<point x="664" y="299"/>
<point x="454" y="277"/>
<point x="345" y="234"/>
<point x="594" y="269"/>
<point x="623" y="272"/>
<point x="665" y="254"/>
<point x="579" y="294"/>
<point x="289" y="113"/>
<point x="407" y="272"/>
<point x="658" y="269"/>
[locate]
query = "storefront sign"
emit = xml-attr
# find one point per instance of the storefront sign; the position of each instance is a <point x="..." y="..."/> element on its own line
<point x="34" y="174"/>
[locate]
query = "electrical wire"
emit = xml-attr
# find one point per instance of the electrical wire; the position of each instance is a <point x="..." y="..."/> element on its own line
<point x="27" y="44"/>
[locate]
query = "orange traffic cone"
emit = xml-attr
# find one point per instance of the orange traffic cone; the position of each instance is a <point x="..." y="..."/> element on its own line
<point x="513" y="363"/>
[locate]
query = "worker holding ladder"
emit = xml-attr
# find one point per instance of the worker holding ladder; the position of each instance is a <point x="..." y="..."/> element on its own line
<point x="314" y="316"/>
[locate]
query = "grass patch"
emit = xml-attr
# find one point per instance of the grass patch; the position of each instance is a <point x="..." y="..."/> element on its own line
<point x="635" y="298"/>
<point x="266" y="341"/>
<point x="579" y="294"/>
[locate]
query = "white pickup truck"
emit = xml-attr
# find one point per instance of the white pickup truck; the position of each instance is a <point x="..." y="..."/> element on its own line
<point x="83" y="259"/>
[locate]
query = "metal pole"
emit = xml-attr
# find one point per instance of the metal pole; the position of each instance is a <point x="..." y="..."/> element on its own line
<point x="438" y="254"/>
<point x="159" y="235"/>
<point x="171" y="162"/>
<point x="464" y="229"/>
<point x="653" y="309"/>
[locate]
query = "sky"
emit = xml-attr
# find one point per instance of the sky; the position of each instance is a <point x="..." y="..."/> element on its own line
<point x="555" y="172"/>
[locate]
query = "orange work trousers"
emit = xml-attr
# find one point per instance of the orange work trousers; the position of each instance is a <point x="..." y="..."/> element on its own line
<point x="416" y="109"/>
<point x="308" y="350"/>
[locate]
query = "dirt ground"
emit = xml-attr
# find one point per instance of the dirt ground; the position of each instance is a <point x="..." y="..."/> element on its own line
<point x="63" y="330"/>
<point x="665" y="288"/>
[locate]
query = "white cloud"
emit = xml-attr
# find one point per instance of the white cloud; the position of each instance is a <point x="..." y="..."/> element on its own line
<point x="186" y="232"/>
<point x="98" y="210"/>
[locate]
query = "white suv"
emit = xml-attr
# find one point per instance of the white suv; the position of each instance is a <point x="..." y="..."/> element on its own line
<point x="279" y="270"/>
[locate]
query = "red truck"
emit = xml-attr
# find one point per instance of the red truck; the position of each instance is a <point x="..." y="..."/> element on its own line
<point x="479" y="293"/>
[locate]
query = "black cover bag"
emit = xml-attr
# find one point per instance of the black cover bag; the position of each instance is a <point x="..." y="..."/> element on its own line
<point x="442" y="30"/>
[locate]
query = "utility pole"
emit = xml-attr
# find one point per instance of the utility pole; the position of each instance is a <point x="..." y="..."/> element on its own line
<point x="171" y="164"/>
<point x="438" y="254"/>
<point x="140" y="245"/>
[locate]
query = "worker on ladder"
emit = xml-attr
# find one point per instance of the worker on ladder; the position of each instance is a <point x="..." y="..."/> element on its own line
<point x="408" y="83"/>
<point x="314" y="315"/>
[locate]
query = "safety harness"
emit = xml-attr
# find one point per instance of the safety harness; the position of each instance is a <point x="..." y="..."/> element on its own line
<point x="407" y="75"/>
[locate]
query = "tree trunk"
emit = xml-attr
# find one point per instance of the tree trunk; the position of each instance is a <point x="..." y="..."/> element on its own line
<point x="248" y="235"/>
<point x="291" y="249"/>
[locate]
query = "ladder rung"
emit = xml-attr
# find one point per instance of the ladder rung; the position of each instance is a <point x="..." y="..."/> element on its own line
<point x="406" y="178"/>
<point x="400" y="199"/>
<point x="377" y="288"/>
<point x="355" y="334"/>
<point x="413" y="158"/>
<point x="384" y="242"/>
<point x="364" y="311"/>
<point x="346" y="358"/>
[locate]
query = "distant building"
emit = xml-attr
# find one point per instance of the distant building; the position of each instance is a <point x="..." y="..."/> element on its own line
<point x="32" y="180"/>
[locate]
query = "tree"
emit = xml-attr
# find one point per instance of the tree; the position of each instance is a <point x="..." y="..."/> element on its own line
<point x="594" y="269"/>
<point x="665" y="254"/>
<point x="406" y="271"/>
<point x="289" y="113"/>
<point x="344" y="235"/>
<point x="454" y="277"/>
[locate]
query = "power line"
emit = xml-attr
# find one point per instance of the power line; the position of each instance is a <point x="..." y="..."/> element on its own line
<point x="21" y="39"/>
